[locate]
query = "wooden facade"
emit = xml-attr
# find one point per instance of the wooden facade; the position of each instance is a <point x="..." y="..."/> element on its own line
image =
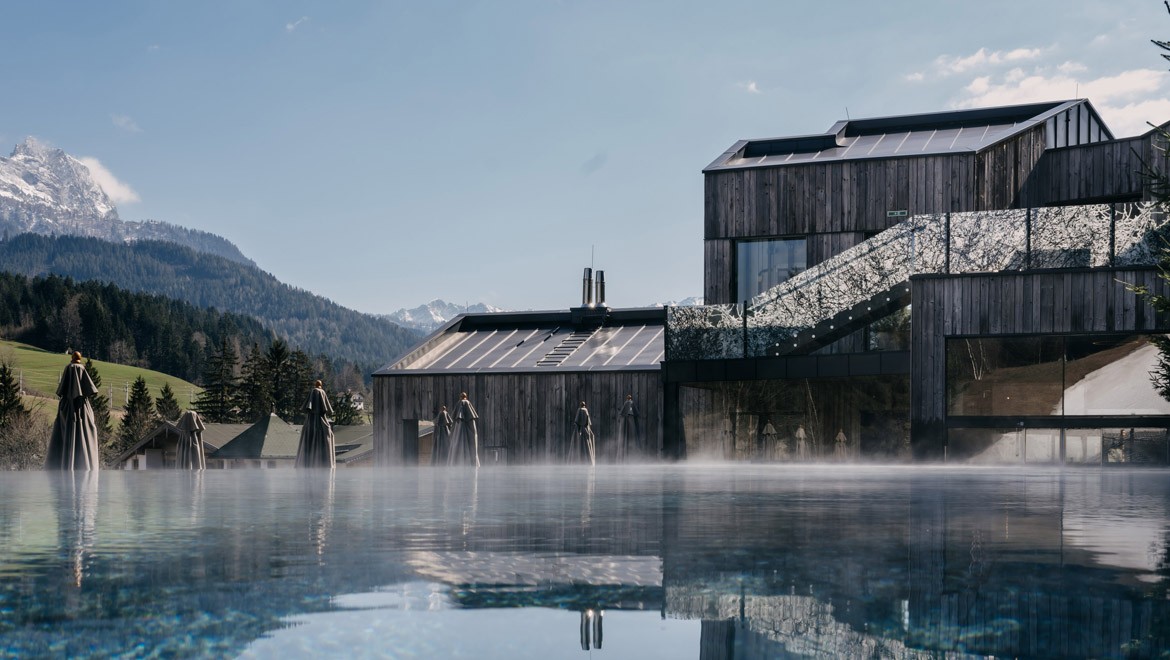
<point x="529" y="415"/>
<point x="835" y="204"/>
<point x="1055" y="302"/>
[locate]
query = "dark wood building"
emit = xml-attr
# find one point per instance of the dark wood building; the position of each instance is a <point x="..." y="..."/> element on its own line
<point x="526" y="374"/>
<point x="1012" y="231"/>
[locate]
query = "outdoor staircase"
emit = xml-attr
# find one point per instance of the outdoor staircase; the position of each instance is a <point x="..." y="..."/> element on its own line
<point x="844" y="323"/>
<point x="872" y="279"/>
<point x="567" y="347"/>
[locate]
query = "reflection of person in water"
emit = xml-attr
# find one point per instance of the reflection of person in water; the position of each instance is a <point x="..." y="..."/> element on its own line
<point x="591" y="629"/>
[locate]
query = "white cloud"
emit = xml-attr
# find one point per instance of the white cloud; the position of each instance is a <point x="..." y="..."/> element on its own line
<point x="125" y="123"/>
<point x="750" y="87"/>
<point x="917" y="76"/>
<point x="153" y="47"/>
<point x="981" y="59"/>
<point x="118" y="192"/>
<point x="290" y="27"/>
<point x="1126" y="100"/>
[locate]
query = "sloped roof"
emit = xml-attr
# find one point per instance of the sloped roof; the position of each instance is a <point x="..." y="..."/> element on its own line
<point x="269" y="438"/>
<point x="214" y="436"/>
<point x="628" y="340"/>
<point x="953" y="131"/>
<point x="353" y="443"/>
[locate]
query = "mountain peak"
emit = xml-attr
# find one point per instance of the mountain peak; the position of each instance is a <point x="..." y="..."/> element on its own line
<point x="31" y="148"/>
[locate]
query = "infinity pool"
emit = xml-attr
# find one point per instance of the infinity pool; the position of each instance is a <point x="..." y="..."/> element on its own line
<point x="732" y="561"/>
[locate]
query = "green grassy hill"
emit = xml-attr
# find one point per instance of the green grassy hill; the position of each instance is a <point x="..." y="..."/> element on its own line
<point x="41" y="370"/>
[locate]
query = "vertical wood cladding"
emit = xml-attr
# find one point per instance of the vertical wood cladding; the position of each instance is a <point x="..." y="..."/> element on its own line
<point x="528" y="413"/>
<point x="1050" y="302"/>
<point x="1095" y="172"/>
<point x="840" y="196"/>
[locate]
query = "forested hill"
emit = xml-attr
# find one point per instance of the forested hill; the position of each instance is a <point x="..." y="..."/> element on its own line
<point x="315" y="324"/>
<point x="107" y="323"/>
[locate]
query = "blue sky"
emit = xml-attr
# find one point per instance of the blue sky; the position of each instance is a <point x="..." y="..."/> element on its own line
<point x="386" y="153"/>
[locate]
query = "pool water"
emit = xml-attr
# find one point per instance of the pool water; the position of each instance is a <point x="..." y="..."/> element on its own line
<point x="726" y="561"/>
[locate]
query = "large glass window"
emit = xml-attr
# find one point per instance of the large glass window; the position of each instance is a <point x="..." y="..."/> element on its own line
<point x="761" y="265"/>
<point x="1076" y="376"/>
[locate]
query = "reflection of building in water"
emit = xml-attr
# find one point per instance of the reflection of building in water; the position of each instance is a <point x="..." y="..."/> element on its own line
<point x="1025" y="569"/>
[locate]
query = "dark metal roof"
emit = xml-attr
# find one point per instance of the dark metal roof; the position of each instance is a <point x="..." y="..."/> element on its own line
<point x="629" y="339"/>
<point x="890" y="137"/>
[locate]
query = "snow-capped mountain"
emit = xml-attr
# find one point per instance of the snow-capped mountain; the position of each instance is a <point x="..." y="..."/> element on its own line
<point x="430" y="316"/>
<point x="44" y="190"/>
<point x="685" y="302"/>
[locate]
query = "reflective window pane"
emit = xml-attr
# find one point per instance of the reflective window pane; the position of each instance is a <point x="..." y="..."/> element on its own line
<point x="761" y="265"/>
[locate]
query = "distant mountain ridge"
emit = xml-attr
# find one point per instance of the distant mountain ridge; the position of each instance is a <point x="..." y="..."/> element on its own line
<point x="46" y="191"/>
<point x="314" y="323"/>
<point x="434" y="314"/>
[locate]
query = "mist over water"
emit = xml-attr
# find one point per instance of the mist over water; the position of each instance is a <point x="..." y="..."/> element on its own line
<point x="712" y="561"/>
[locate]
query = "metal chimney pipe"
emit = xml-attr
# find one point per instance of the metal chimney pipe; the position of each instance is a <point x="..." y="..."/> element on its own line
<point x="587" y="288"/>
<point x="601" y="287"/>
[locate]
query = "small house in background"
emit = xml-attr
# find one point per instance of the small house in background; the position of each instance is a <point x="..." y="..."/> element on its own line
<point x="526" y="373"/>
<point x="269" y="443"/>
<point x="159" y="449"/>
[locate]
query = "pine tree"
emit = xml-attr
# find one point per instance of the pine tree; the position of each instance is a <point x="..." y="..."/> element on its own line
<point x="139" y="418"/>
<point x="166" y="405"/>
<point x="344" y="413"/>
<point x="11" y="405"/>
<point x="277" y="359"/>
<point x="100" y="404"/>
<point x="254" y="398"/>
<point x="300" y="381"/>
<point x="216" y="403"/>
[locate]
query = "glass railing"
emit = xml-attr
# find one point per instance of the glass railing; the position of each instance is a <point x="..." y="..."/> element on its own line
<point x="970" y="242"/>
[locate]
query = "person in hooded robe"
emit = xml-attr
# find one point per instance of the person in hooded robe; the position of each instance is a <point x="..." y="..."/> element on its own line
<point x="317" y="448"/>
<point x="464" y="439"/>
<point x="841" y="451"/>
<point x="190" y="454"/>
<point x="768" y="448"/>
<point x="74" y="441"/>
<point x="628" y="443"/>
<point x="802" y="453"/>
<point x="582" y="448"/>
<point x="440" y="447"/>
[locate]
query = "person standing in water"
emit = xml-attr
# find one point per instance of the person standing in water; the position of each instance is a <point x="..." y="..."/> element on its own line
<point x="73" y="444"/>
<point x="627" y="436"/>
<point x="440" y="446"/>
<point x="583" y="448"/>
<point x="464" y="435"/>
<point x="316" y="448"/>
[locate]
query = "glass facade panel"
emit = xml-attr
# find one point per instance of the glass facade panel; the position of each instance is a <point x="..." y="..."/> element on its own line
<point x="1097" y="375"/>
<point x="798" y="420"/>
<point x="1004" y="376"/>
<point x="1082" y="446"/>
<point x="1003" y="446"/>
<point x="1113" y="376"/>
<point x="1135" y="446"/>
<point x="1042" y="446"/>
<point x="761" y="265"/>
<point x="891" y="333"/>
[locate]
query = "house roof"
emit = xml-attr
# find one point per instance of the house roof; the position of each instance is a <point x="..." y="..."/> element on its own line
<point x="956" y="131"/>
<point x="554" y="341"/>
<point x="353" y="443"/>
<point x="269" y="438"/>
<point x="214" y="436"/>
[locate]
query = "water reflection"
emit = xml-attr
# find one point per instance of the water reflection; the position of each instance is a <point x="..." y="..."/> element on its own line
<point x="721" y="562"/>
